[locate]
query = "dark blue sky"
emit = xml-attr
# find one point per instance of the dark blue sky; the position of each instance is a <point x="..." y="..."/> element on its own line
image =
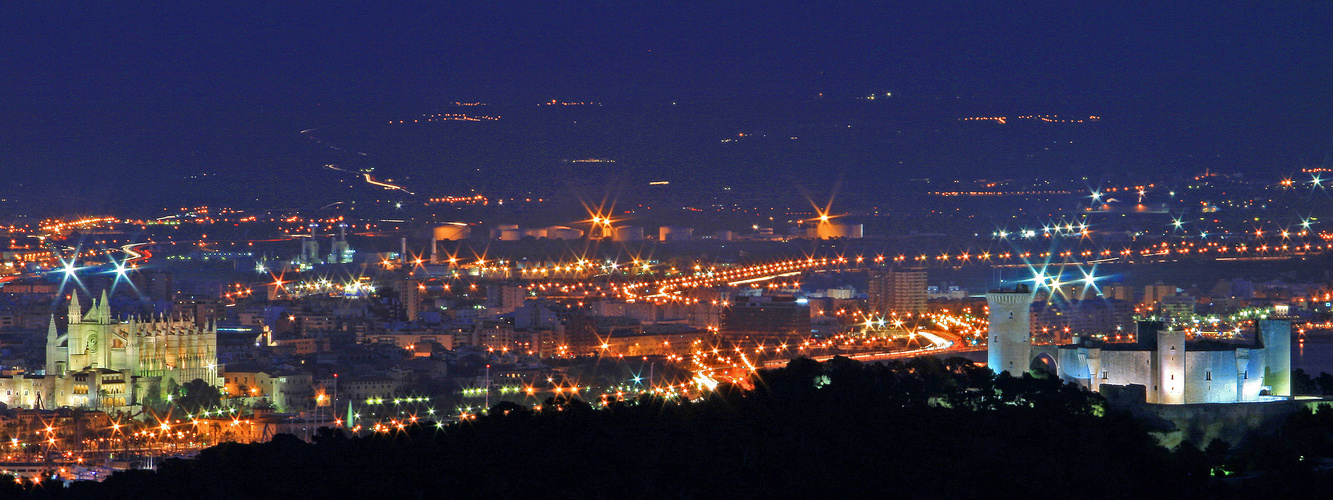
<point x="83" y="73"/>
<point x="1100" y="54"/>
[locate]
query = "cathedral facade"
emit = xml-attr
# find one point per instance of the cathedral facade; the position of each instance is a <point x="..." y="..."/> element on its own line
<point x="104" y="363"/>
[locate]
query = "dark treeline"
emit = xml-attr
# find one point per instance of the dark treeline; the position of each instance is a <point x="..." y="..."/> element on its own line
<point x="810" y="430"/>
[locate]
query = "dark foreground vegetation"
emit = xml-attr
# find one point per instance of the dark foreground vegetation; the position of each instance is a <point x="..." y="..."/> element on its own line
<point x="838" y="429"/>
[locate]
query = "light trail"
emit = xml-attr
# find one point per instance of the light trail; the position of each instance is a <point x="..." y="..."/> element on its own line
<point x="938" y="344"/>
<point x="370" y="179"/>
<point x="134" y="255"/>
<point x="765" y="278"/>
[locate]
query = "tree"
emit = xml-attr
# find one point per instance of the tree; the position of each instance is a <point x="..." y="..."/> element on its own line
<point x="1301" y="383"/>
<point x="1325" y="383"/>
<point x="1040" y="368"/>
<point x="172" y="388"/>
<point x="197" y="396"/>
<point x="152" y="396"/>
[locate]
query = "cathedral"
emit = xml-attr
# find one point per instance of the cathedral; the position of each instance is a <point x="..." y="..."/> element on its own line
<point x="109" y="364"/>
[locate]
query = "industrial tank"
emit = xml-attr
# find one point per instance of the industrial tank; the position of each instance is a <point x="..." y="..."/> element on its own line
<point x="675" y="233"/>
<point x="628" y="233"/>
<point x="452" y="231"/>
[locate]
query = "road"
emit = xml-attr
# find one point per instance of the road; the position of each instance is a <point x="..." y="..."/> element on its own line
<point x="941" y="343"/>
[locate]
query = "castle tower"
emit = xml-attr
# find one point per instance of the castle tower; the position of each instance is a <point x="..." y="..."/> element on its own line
<point x="1276" y="336"/>
<point x="1094" y="369"/>
<point x="1242" y="371"/>
<point x="1171" y="367"/>
<point x="1009" y="348"/>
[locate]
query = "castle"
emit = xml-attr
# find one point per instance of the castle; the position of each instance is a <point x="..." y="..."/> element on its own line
<point x="1164" y="365"/>
<point x="103" y="363"/>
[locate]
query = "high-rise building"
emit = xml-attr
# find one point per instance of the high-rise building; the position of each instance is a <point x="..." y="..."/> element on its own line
<point x="1153" y="294"/>
<point x="1118" y="292"/>
<point x="202" y="312"/>
<point x="155" y="284"/>
<point x="1176" y="308"/>
<point x="900" y="291"/>
<point x="410" y="296"/>
<point x="1060" y="320"/>
<point x="504" y="299"/>
<point x="766" y="317"/>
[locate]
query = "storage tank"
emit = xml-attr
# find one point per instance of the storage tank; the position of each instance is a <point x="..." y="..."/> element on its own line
<point x="537" y="233"/>
<point x="452" y="231"/>
<point x="675" y="233"/>
<point x="629" y="233"/>
<point x="724" y="235"/>
<point x="563" y="233"/>
<point x="855" y="230"/>
<point x="512" y="234"/>
<point x="829" y="230"/>
<point x="496" y="232"/>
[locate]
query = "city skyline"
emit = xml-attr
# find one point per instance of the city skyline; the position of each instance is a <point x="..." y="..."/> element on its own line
<point x="695" y="249"/>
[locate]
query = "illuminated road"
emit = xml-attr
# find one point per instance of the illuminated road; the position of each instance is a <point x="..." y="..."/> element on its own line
<point x="134" y="252"/>
<point x="370" y="179"/>
<point x="940" y="343"/>
<point x="670" y="289"/>
<point x="134" y="255"/>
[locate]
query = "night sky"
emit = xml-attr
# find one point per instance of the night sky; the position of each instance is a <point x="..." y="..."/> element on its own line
<point x="94" y="90"/>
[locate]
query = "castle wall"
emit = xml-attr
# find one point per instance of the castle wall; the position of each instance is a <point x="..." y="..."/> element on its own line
<point x="1232" y="423"/>
<point x="1210" y="376"/>
<point x="1170" y="376"/>
<point x="1071" y="364"/>
<point x="1255" y="372"/>
<point x="1128" y="367"/>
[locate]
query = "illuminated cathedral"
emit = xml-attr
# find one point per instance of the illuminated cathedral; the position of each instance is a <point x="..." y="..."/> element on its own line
<point x="100" y="362"/>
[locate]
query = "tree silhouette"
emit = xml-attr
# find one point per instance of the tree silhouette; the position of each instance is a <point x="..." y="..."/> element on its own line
<point x="197" y="395"/>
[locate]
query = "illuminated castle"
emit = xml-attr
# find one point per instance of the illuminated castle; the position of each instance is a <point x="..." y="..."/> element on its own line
<point x="104" y="363"/>
<point x="1172" y="368"/>
<point x="1164" y="365"/>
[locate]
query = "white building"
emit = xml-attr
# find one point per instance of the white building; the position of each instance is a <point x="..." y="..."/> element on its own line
<point x="1173" y="368"/>
<point x="1009" y="341"/>
<point x="1167" y="365"/>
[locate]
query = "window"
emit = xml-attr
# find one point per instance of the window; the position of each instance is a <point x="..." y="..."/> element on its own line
<point x="1106" y="375"/>
<point x="1208" y="375"/>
